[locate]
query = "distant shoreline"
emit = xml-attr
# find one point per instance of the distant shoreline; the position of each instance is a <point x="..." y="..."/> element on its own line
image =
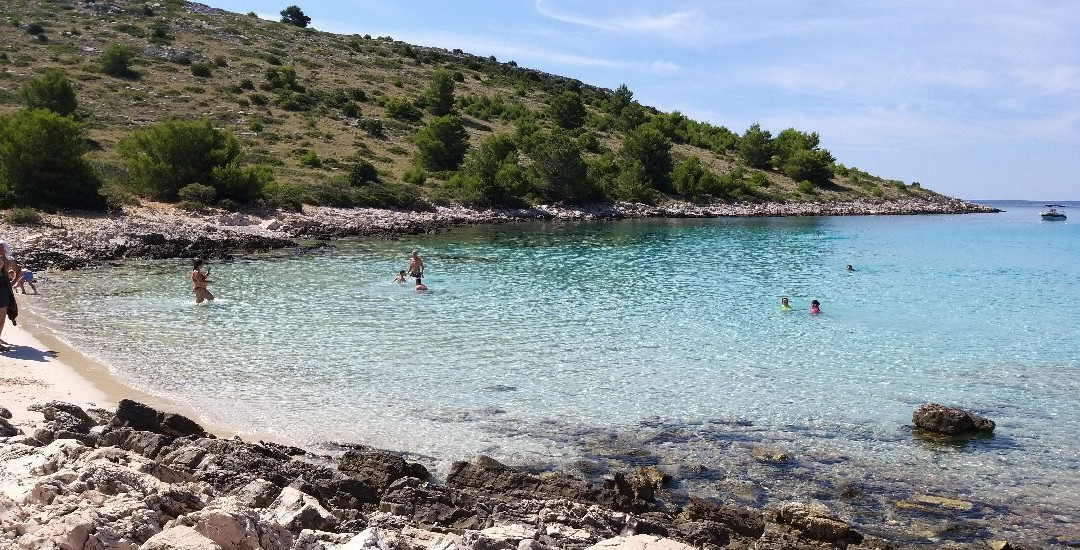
<point x="161" y="231"/>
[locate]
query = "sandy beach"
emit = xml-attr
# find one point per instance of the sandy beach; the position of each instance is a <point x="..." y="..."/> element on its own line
<point x="36" y="372"/>
<point x="41" y="368"/>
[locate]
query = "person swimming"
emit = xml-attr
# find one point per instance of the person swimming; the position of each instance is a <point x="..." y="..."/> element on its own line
<point x="815" y="307"/>
<point x="849" y="268"/>
<point x="420" y="286"/>
<point x="784" y="305"/>
<point x="400" y="277"/>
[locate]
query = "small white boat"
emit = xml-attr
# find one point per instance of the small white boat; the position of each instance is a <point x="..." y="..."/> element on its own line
<point x="1053" y="214"/>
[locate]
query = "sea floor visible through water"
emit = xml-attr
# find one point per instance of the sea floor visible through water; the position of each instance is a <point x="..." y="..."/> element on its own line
<point x="591" y="346"/>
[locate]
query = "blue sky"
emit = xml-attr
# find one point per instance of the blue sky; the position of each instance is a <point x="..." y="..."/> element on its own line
<point x="974" y="99"/>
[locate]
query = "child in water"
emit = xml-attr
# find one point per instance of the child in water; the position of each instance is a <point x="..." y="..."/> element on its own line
<point x="815" y="307"/>
<point x="420" y="287"/>
<point x="400" y="277"/>
<point x="784" y="305"/>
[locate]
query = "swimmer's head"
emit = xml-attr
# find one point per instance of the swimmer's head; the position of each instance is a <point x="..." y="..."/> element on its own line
<point x="196" y="263"/>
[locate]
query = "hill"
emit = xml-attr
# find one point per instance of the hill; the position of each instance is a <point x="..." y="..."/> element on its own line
<point x="320" y="110"/>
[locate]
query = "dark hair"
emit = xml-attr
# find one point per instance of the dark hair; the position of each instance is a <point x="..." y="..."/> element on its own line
<point x="196" y="262"/>
<point x="815" y="303"/>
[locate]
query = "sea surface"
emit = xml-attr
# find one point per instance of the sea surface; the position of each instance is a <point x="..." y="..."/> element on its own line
<point x="590" y="347"/>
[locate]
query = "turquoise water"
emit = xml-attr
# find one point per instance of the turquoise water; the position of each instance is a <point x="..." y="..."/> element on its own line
<point x="578" y="345"/>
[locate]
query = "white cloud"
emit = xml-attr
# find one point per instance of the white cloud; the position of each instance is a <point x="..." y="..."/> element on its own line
<point x="679" y="24"/>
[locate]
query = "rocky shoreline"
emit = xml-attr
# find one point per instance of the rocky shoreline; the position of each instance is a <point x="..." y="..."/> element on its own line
<point x="139" y="478"/>
<point x="157" y="231"/>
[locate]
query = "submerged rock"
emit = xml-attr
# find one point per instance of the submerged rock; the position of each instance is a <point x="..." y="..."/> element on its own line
<point x="936" y="418"/>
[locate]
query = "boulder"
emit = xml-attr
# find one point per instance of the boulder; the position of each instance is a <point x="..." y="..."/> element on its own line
<point x="814" y="522"/>
<point x="641" y="483"/>
<point x="230" y="524"/>
<point x="379" y="468"/>
<point x="4" y="413"/>
<point x="488" y="476"/>
<point x="135" y="415"/>
<point x="429" y="504"/>
<point x="297" y="510"/>
<point x="744" y="521"/>
<point x="936" y="418"/>
<point x="7" y="430"/>
<point x="179" y="538"/>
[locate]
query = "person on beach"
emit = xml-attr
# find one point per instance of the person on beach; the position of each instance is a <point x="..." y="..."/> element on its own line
<point x="815" y="307"/>
<point x="416" y="266"/>
<point x="400" y="279"/>
<point x="199" y="280"/>
<point x="8" y="307"/>
<point x="784" y="305"/>
<point x="420" y="287"/>
<point x="27" y="278"/>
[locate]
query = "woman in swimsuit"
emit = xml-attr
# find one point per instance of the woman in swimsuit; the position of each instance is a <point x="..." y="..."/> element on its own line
<point x="199" y="281"/>
<point x="815" y="307"/>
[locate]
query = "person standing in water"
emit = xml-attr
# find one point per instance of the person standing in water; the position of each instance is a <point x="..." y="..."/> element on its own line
<point x="416" y="266"/>
<point x="199" y="280"/>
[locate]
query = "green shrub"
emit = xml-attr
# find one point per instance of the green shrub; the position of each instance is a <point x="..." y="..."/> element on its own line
<point x="228" y="204"/>
<point x="415" y="175"/>
<point x="42" y="162"/>
<point x="197" y="192"/>
<point x="133" y="30"/>
<point x="805" y="187"/>
<point x="116" y="61"/>
<point x="442" y="143"/>
<point x="362" y="172"/>
<point x="22" y="216"/>
<point x="402" y="109"/>
<point x="35" y="29"/>
<point x="373" y="126"/>
<point x="159" y="30"/>
<point x="53" y="91"/>
<point x="310" y="159"/>
<point x="167" y="156"/>
<point x="191" y="206"/>
<point x="116" y="194"/>
<point x="221" y="61"/>
<point x="202" y="69"/>
<point x="290" y="196"/>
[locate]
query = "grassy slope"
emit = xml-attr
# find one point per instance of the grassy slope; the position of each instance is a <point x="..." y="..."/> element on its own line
<point x="77" y="33"/>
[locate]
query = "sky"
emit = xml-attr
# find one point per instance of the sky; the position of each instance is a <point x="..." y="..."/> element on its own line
<point x="973" y="99"/>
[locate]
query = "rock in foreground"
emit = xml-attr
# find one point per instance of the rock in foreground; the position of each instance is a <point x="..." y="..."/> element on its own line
<point x="940" y="419"/>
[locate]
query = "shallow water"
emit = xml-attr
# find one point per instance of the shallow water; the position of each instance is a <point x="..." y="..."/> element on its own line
<point x="659" y="341"/>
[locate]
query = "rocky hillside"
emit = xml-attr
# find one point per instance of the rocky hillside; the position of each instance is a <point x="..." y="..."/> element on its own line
<point x="348" y="98"/>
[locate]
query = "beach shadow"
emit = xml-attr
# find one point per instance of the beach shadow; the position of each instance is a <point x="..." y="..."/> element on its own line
<point x="28" y="353"/>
